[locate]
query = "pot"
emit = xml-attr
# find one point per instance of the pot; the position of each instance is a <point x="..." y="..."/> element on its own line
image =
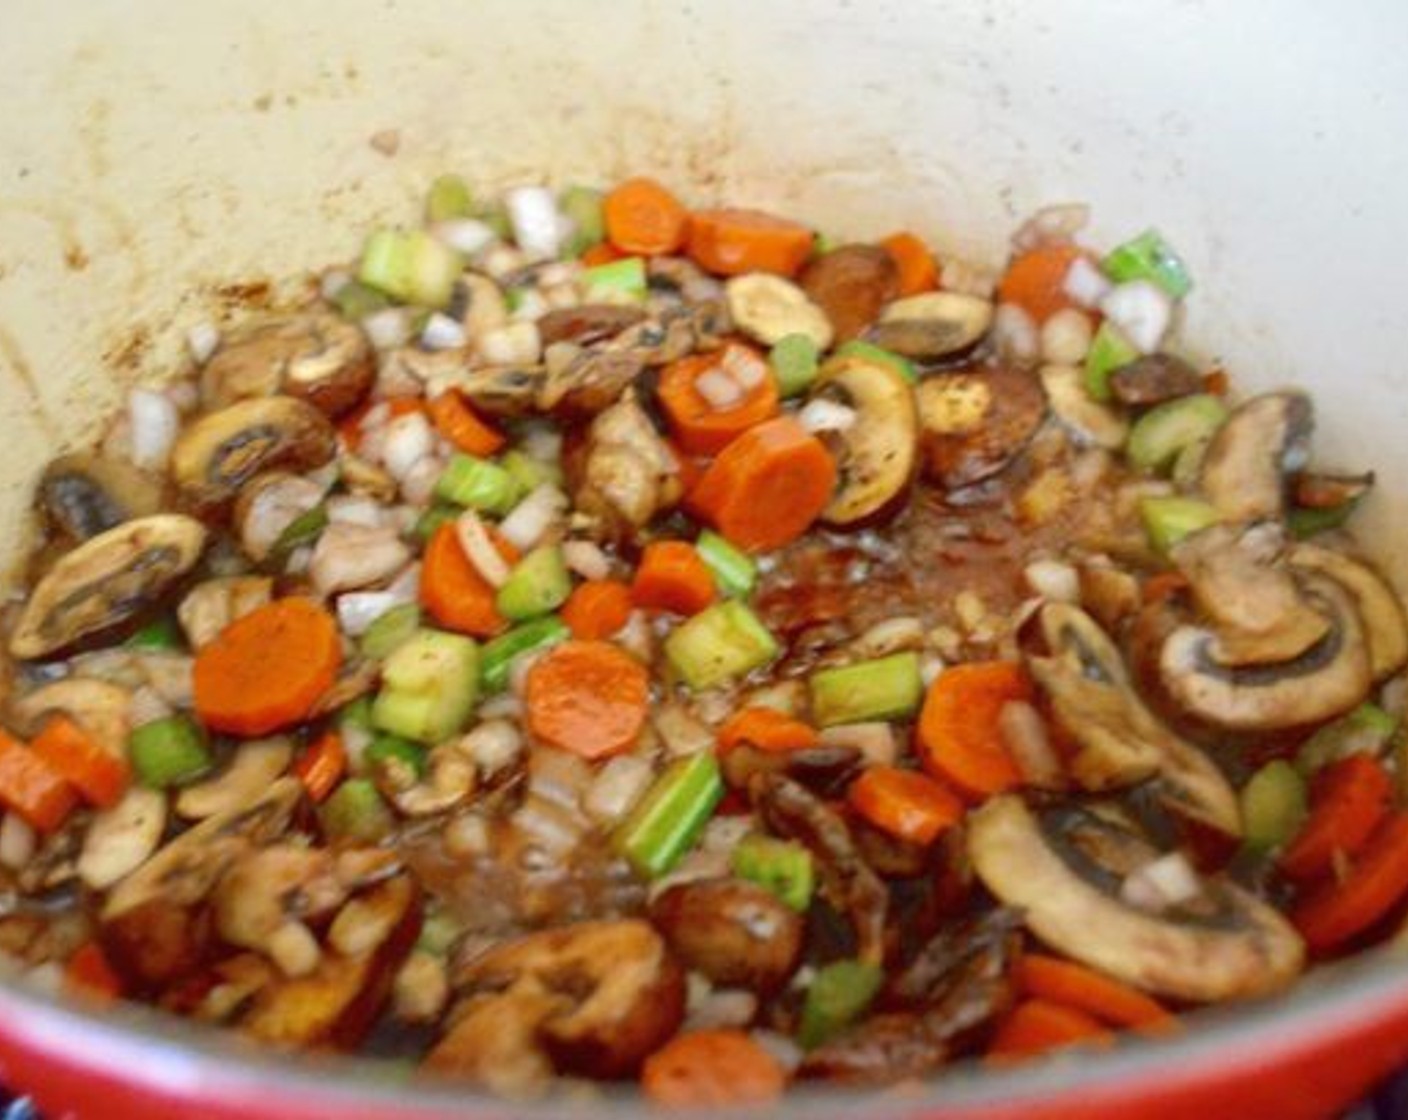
<point x="163" y="163"/>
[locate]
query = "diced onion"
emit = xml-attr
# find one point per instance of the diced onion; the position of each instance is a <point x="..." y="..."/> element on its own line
<point x="409" y="439"/>
<point x="154" y="422"/>
<point x="203" y="339"/>
<point x="494" y="745"/>
<point x="744" y="367"/>
<point x="146" y="706"/>
<point x="542" y="443"/>
<point x="516" y="344"/>
<point x="1085" y="283"/>
<point x="474" y="539"/>
<point x="352" y="557"/>
<point x="1051" y="225"/>
<point x="443" y="333"/>
<point x="720" y="391"/>
<point x="1024" y="735"/>
<point x="681" y="731"/>
<point x="1015" y="335"/>
<point x="586" y="559"/>
<point x="1142" y="311"/>
<point x="530" y="520"/>
<point x="532" y="304"/>
<point x="354" y="509"/>
<point x="618" y="786"/>
<point x="418" y="483"/>
<point x="465" y="235"/>
<point x="388" y="328"/>
<point x="332" y="282"/>
<point x="1160" y="884"/>
<point x="1054" y="580"/>
<point x="357" y="610"/>
<point x="822" y="415"/>
<point x="17" y="842"/>
<point x="406" y="586"/>
<point x="890" y="636"/>
<point x="537" y="226"/>
<point x="1065" y="337"/>
<point x="875" y="741"/>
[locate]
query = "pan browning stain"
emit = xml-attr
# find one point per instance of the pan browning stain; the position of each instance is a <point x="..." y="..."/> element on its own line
<point x="14" y="362"/>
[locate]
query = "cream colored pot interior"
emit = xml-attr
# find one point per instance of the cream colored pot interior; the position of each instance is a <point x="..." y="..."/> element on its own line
<point x="151" y="153"/>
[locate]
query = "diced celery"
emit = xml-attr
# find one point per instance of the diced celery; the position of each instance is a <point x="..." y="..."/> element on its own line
<point x="357" y="714"/>
<point x="529" y="473"/>
<point x="823" y="243"/>
<point x="438" y="933"/>
<point x="538" y="583"/>
<point x="394" y="750"/>
<point x="583" y="207"/>
<point x="1307" y="521"/>
<point x="449" y="198"/>
<point x="432" y="519"/>
<point x="355" y="300"/>
<point x="783" y="867"/>
<point x="302" y="530"/>
<point x="839" y="994"/>
<point x="622" y="281"/>
<point x="1148" y="257"/>
<point x="1366" y="730"/>
<point x="1273" y="806"/>
<point x="411" y="267"/>
<point x="168" y="752"/>
<point x="667" y="821"/>
<point x="495" y="216"/>
<point x="354" y="812"/>
<point x="477" y="483"/>
<point x="1168" y="520"/>
<point x="1109" y="350"/>
<point x="389" y="630"/>
<point x="795" y="360"/>
<point x="1188" y="467"/>
<point x="859" y="348"/>
<point x="735" y="571"/>
<point x="1161" y="434"/>
<point x="497" y="657"/>
<point x="884" y="688"/>
<point x="163" y="633"/>
<point x="719" y="644"/>
<point x="429" y="686"/>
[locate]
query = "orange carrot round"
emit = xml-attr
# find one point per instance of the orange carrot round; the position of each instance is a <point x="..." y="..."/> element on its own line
<point x="1073" y="985"/>
<point x="672" y="576"/>
<point x="643" y="217"/>
<point x="904" y="804"/>
<point x="597" y="608"/>
<point x="602" y="253"/>
<point x="96" y="772"/>
<point x="461" y="425"/>
<point x="1348" y="799"/>
<point x="731" y="241"/>
<point x="698" y="427"/>
<point x="767" y="729"/>
<point x="1035" y="281"/>
<point x="1037" y="1026"/>
<point x="322" y="765"/>
<point x="588" y="697"/>
<point x="88" y="973"/>
<point x="959" y="737"/>
<point x="917" y="268"/>
<point x="712" y="1069"/>
<point x="266" y="670"/>
<point x="1336" y="912"/>
<point x="31" y="787"/>
<point x="454" y="592"/>
<point x="766" y="487"/>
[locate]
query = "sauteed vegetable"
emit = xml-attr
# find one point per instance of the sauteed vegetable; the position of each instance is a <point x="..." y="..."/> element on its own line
<point x="595" y="639"/>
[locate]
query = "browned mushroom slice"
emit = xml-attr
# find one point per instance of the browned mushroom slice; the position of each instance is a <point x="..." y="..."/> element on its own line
<point x="736" y="933"/>
<point x="1245" y="468"/>
<point x="1153" y="379"/>
<point x="629" y="473"/>
<point x="1379" y="607"/>
<point x="220" y="452"/>
<point x="82" y="495"/>
<point x="851" y="283"/>
<point x="974" y="422"/>
<point x="933" y="327"/>
<point x="496" y="390"/>
<point x="107" y="581"/>
<point x="581" y="381"/>
<point x="587" y="323"/>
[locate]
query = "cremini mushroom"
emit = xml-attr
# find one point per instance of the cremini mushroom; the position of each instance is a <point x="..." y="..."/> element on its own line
<point x="213" y="604"/>
<point x="1379" y="607"/>
<point x="1247" y="464"/>
<point x="581" y="381"/>
<point x="108" y="580"/>
<point x="82" y="495"/>
<point x="851" y="283"/>
<point x="736" y="933"/>
<point x="120" y="839"/>
<point x="268" y="891"/>
<point x="1089" y="421"/>
<point x="587" y="323"/>
<point x="101" y="708"/>
<point x="1063" y="867"/>
<point x="349" y="557"/>
<point x="934" y="326"/>
<point x="256" y="765"/>
<point x="221" y="451"/>
<point x="496" y="390"/>
<point x="767" y="307"/>
<point x="974" y="422"/>
<point x="629" y="472"/>
<point x="449" y="781"/>
<point x="1153" y="379"/>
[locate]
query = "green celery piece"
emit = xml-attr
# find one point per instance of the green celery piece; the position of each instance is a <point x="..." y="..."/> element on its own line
<point x="884" y="688"/>
<point x="168" y="752"/>
<point x="432" y="519"/>
<point x="583" y="207"/>
<point x="1188" y="467"/>
<point x="302" y="530"/>
<point x="160" y="634"/>
<point x="1160" y="435"/>
<point x="513" y="299"/>
<point x="1273" y="806"/>
<point x="355" y="812"/>
<point x="1168" y="520"/>
<point x="410" y="267"/>
<point x="1366" y="730"/>
<point x="477" y="483"/>
<point x="622" y="281"/>
<point x="795" y="360"/>
<point x="429" y="686"/>
<point x="783" y="867"/>
<point x="355" y="301"/>
<point x="1148" y="257"/>
<point x="721" y="643"/>
<point x="497" y="657"/>
<point x="394" y="749"/>
<point x="1305" y="522"/>
<point x="495" y="216"/>
<point x="735" y="571"/>
<point x="1109" y="350"/>
<point x="868" y="351"/>
<point x="449" y="198"/>
<point x="389" y="630"/>
<point x="668" y="820"/>
<point x="357" y="714"/>
<point x="823" y="243"/>
<point x="529" y="473"/>
<point x="438" y="933"/>
<point x="538" y="584"/>
<point x="839" y="994"/>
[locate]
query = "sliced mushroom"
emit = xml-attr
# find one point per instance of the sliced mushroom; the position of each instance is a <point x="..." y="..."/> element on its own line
<point x="1246" y="465"/>
<point x="629" y="472"/>
<point x="1153" y="379"/>
<point x="934" y="326"/>
<point x="449" y="782"/>
<point x="734" y="932"/>
<point x="316" y="356"/>
<point x="220" y="452"/>
<point x="211" y="606"/>
<point x="101" y="708"/>
<point x="1326" y="680"/>
<point x="267" y="505"/>
<point x="496" y="390"/>
<point x="851" y="283"/>
<point x="1063" y="868"/>
<point x="767" y="308"/>
<point x="974" y="422"/>
<point x="255" y="767"/>
<point x="587" y="323"/>
<point x="485" y="308"/>
<point x="581" y="382"/>
<point x="1122" y="742"/>
<point x="877" y="452"/>
<point x="267" y="890"/>
<point x="1379" y="607"/>
<point x="120" y="839"/>
<point x="349" y="557"/>
<point x="107" y="581"/>
<point x="1089" y="421"/>
<point x="591" y="999"/>
<point x="84" y="495"/>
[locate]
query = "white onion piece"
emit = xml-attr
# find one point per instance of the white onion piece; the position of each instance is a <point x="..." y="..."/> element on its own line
<point x="1142" y="311"/>
<point x="822" y="415"/>
<point x="1065" y="337"/>
<point x="357" y="610"/>
<point x="1085" y="283"/>
<point x="443" y="333"/>
<point x="1160" y="884"/>
<point x="587" y="559"/>
<point x="350" y="557"/>
<point x="1051" y="225"/>
<point x="719" y="390"/>
<point x="745" y="367"/>
<point x="542" y="443"/>
<point x="465" y="235"/>
<point x="147" y="706"/>
<point x="332" y="282"/>
<point x="516" y="344"/>
<point x="1015" y="335"/>
<point x="890" y="636"/>
<point x="537" y="225"/>
<point x="409" y="439"/>
<point x="1054" y="580"/>
<point x="406" y="586"/>
<point x="388" y="328"/>
<point x="505" y="706"/>
<point x="494" y="745"/>
<point x="203" y="340"/>
<point x="875" y="741"/>
<point x="529" y="521"/>
<point x="154" y="422"/>
<point x="474" y="539"/>
<point x="354" y="509"/>
<point x="532" y="304"/>
<point x="18" y="842"/>
<point x="681" y="731"/>
<point x="617" y="787"/>
<point x="418" y="483"/>
<point x="1024" y="735"/>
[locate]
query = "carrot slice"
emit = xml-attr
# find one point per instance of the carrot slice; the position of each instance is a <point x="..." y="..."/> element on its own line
<point x="461" y="425"/>
<point x="643" y="217"/>
<point x="266" y="670"/>
<point x="89" y="973"/>
<point x="767" y="486"/>
<point x="602" y="253"/>
<point x="672" y="576"/>
<point x="958" y="736"/>
<point x="452" y="589"/>
<point x="1348" y="799"/>
<point x="1035" y="281"/>
<point x="31" y="787"/>
<point x="712" y="1069"/>
<point x="1037" y="1026"/>
<point x="767" y="729"/>
<point x="589" y="698"/>
<point x="1074" y="985"/>
<point x="905" y="804"/>
<point x="96" y="772"/>
<point x="597" y="608"/>
<point x="731" y="241"/>
<point x="918" y="270"/>
<point x="698" y="427"/>
<point x="322" y="765"/>
<point x="1336" y="912"/>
